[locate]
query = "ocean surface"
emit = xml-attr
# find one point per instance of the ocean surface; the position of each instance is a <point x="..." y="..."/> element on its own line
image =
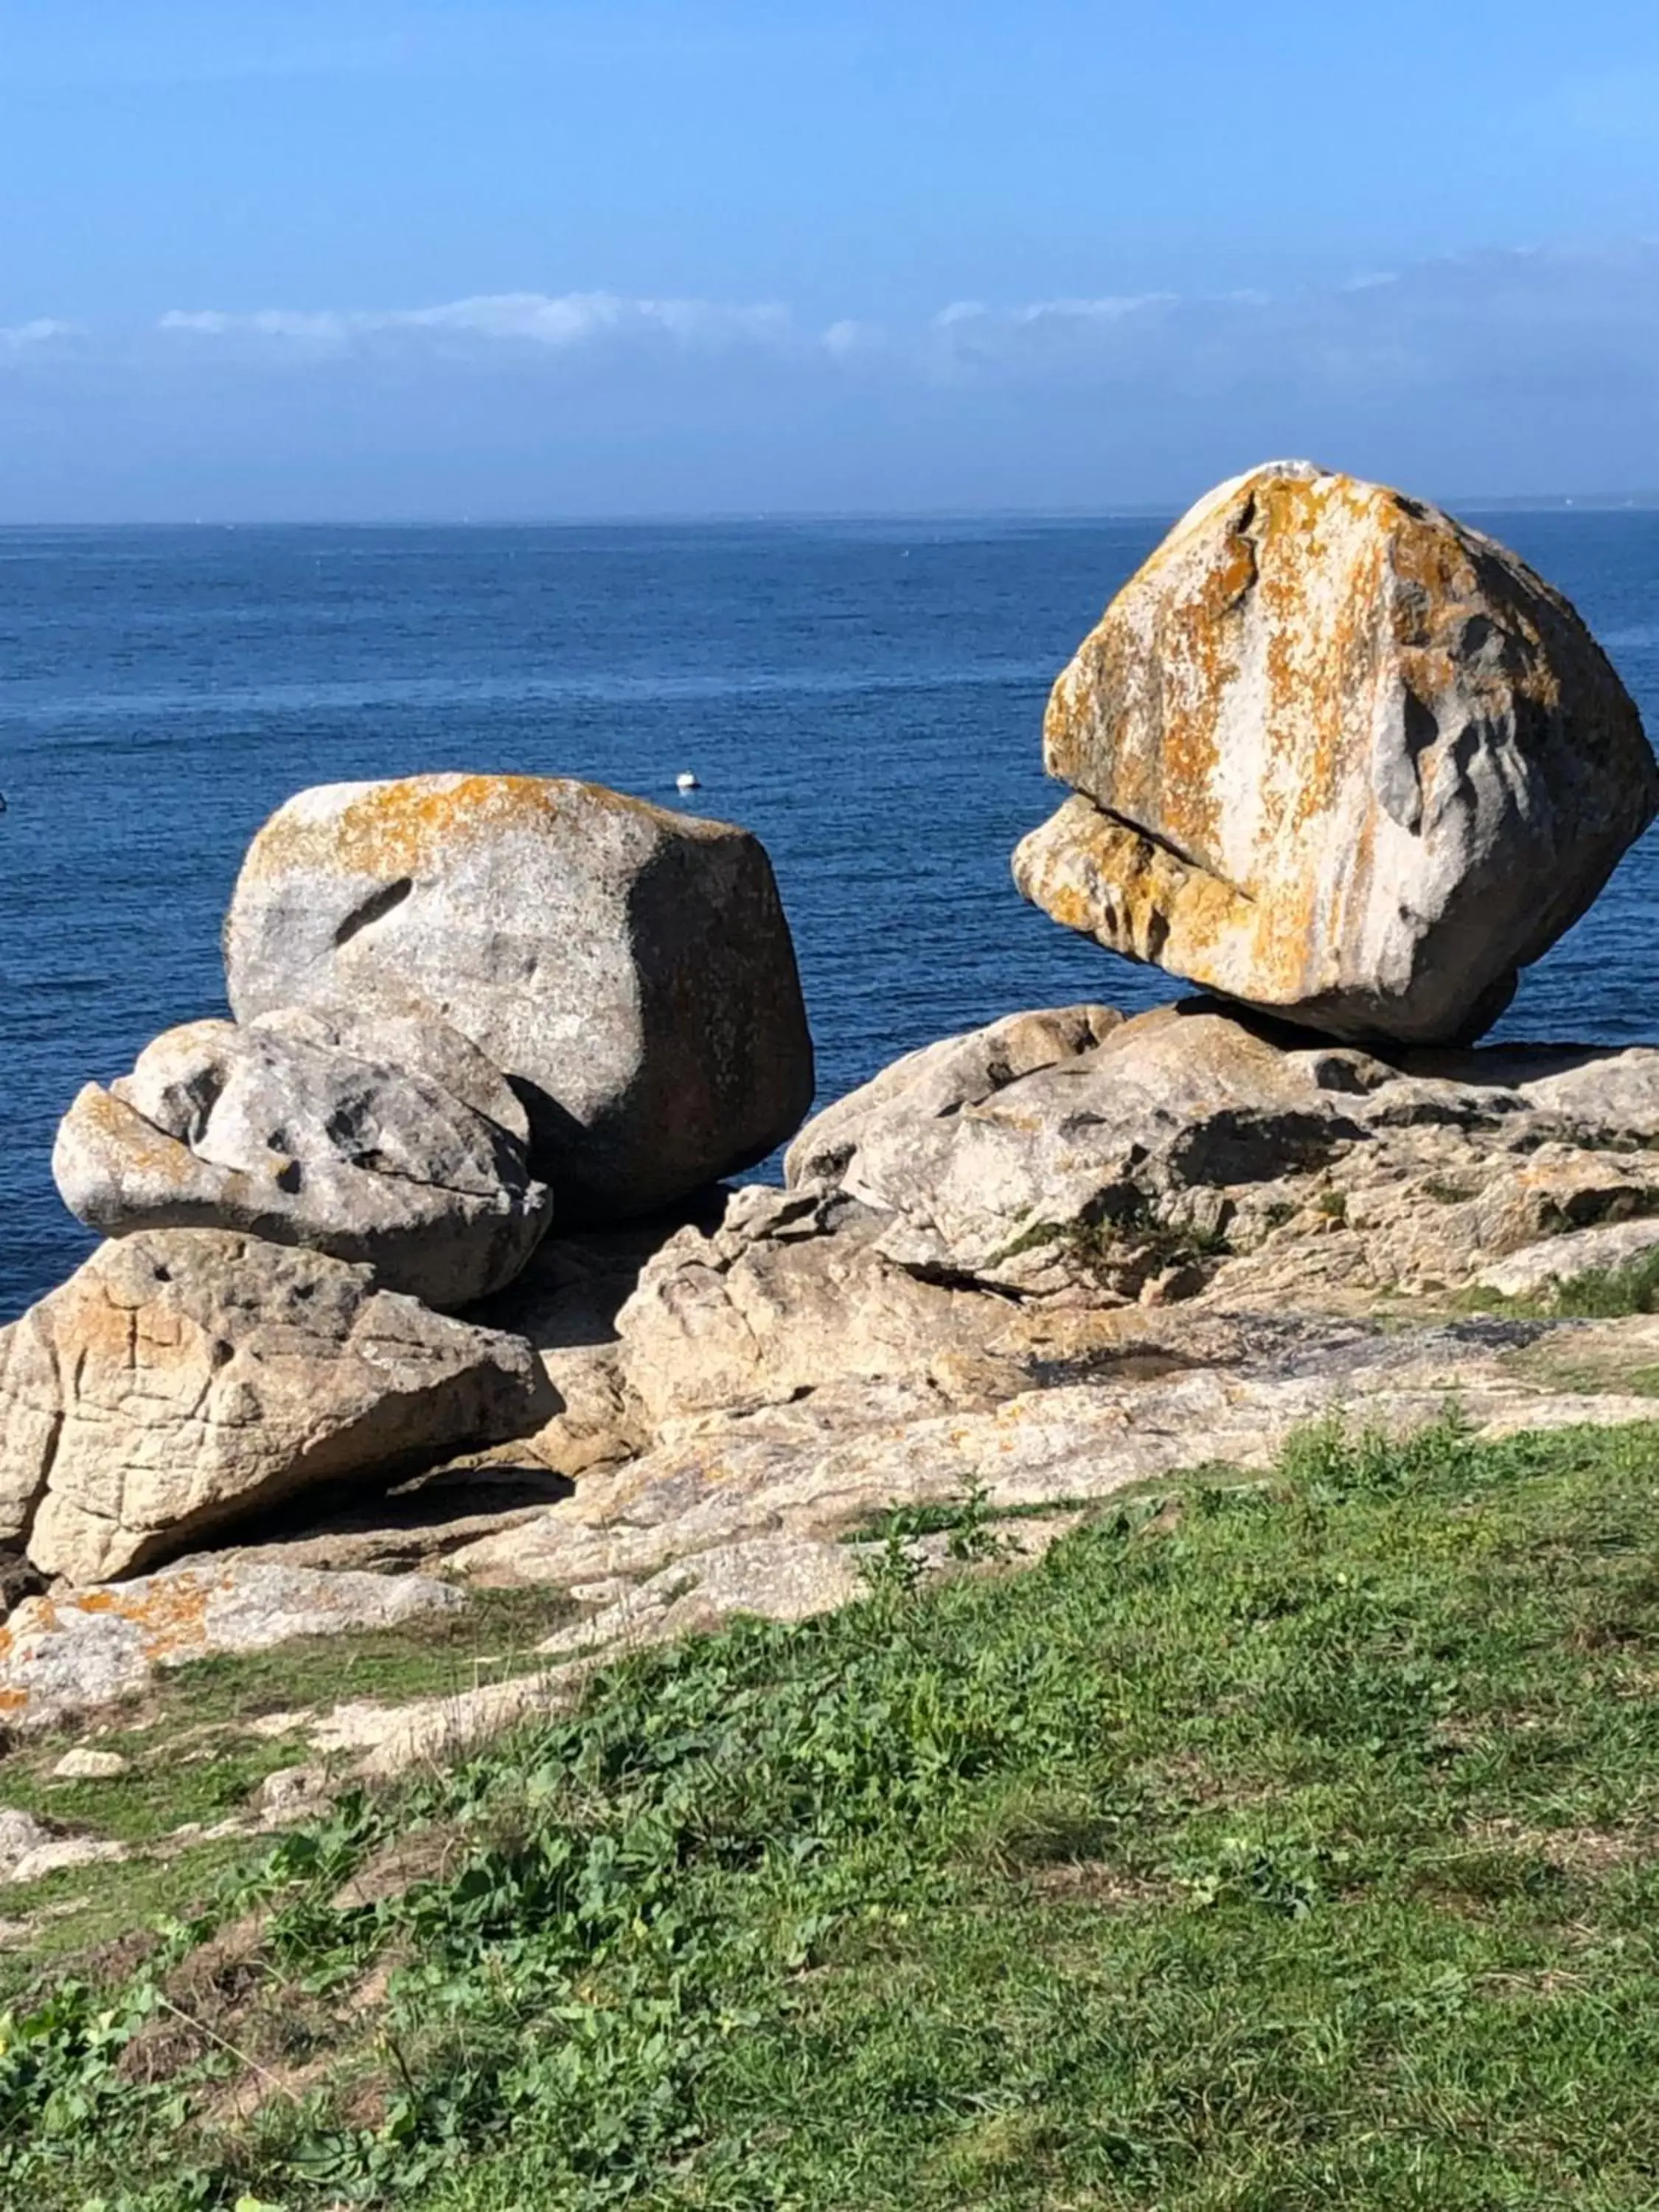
<point x="866" y="697"/>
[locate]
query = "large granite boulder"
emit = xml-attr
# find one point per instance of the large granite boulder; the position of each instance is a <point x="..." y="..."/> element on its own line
<point x="184" y="1379"/>
<point x="1337" y="755"/>
<point x="278" y="1130"/>
<point x="630" y="970"/>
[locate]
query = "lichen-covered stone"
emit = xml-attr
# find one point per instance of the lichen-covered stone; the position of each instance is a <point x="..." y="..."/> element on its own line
<point x="1285" y="1167"/>
<point x="283" y="1130"/>
<point x="183" y="1379"/>
<point x="72" y="1651"/>
<point x="630" y="970"/>
<point x="1338" y="756"/>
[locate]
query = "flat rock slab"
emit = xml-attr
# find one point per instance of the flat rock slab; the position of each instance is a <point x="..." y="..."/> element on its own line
<point x="60" y="1655"/>
<point x="184" y="1379"/>
<point x="822" y="1465"/>
<point x="1338" y="756"/>
<point x="630" y="970"/>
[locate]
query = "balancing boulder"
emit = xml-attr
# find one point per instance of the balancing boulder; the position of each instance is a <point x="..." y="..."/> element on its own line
<point x="1339" y="757"/>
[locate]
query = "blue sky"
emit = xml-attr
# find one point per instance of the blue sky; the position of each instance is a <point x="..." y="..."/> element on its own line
<point x="375" y="257"/>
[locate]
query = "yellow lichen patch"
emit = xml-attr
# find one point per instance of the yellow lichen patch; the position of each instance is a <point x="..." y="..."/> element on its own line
<point x="1103" y="879"/>
<point x="142" y="1147"/>
<point x="405" y="827"/>
<point x="170" y="1612"/>
<point x="1326" y="696"/>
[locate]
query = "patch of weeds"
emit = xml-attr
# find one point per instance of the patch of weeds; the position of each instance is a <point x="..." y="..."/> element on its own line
<point x="949" y="1515"/>
<point x="1446" y="1193"/>
<point x="1609" y="1294"/>
<point x="1133" y="1230"/>
<point x="169" y="1783"/>
<point x="1333" y="1205"/>
<point x="1599" y="1294"/>
<point x="1035" y="1237"/>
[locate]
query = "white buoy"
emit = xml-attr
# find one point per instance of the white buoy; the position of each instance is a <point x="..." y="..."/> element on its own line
<point x="686" y="781"/>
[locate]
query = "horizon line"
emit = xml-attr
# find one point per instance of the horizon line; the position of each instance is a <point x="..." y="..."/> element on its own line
<point x="1645" y="500"/>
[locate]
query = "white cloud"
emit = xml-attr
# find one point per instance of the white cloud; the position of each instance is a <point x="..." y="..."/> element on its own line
<point x="17" y="339"/>
<point x="563" y="323"/>
<point x="1545" y="321"/>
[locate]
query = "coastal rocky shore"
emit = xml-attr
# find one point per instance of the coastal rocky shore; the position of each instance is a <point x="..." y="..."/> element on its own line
<point x="428" y="1271"/>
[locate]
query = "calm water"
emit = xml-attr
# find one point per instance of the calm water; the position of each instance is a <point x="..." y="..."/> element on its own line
<point x="866" y="697"/>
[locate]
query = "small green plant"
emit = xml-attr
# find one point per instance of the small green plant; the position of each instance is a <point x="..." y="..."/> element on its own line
<point x="972" y="1535"/>
<point x="1610" y="1293"/>
<point x="893" y="1572"/>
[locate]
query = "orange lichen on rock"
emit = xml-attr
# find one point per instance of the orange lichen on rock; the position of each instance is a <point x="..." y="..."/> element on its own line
<point x="402" y="827"/>
<point x="170" y="1610"/>
<point x="1400" y="746"/>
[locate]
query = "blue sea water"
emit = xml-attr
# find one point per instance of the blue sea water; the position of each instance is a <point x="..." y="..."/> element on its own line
<point x="867" y="696"/>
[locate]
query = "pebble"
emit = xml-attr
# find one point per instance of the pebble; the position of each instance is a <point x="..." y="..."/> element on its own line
<point x="85" y="1764"/>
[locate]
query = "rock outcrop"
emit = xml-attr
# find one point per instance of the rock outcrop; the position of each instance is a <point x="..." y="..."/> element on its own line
<point x="630" y="970"/>
<point x="290" y="1130"/>
<point x="1338" y="757"/>
<point x="1189" y="1150"/>
<point x="182" y="1379"/>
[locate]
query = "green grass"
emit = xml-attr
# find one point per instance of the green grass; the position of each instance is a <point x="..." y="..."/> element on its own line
<point x="191" y="1757"/>
<point x="1600" y="1294"/>
<point x="1297" y="1845"/>
<point x="1610" y="1294"/>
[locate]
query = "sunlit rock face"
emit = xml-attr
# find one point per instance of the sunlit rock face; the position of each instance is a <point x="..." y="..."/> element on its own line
<point x="629" y="969"/>
<point x="1338" y="756"/>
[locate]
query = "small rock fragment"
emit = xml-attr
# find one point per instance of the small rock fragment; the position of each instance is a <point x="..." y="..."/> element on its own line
<point x="84" y="1764"/>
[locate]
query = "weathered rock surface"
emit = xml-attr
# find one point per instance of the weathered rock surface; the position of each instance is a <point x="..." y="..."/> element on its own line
<point x="630" y="970"/>
<point x="19" y="1834"/>
<point x="86" y="1764"/>
<point x="1538" y="1269"/>
<point x="410" y="1036"/>
<point x="64" y="1654"/>
<point x="1038" y="1265"/>
<point x="1188" y="1151"/>
<point x="184" y="1379"/>
<point x="280" y="1130"/>
<point x="29" y="1849"/>
<point x="825" y="1463"/>
<point x="1338" y="756"/>
<point x="772" y="1577"/>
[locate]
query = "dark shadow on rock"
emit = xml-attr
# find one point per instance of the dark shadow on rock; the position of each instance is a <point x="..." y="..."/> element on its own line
<point x="408" y="1523"/>
<point x="1495" y="1065"/>
<point x="18" y="1579"/>
<point x="577" y="1283"/>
